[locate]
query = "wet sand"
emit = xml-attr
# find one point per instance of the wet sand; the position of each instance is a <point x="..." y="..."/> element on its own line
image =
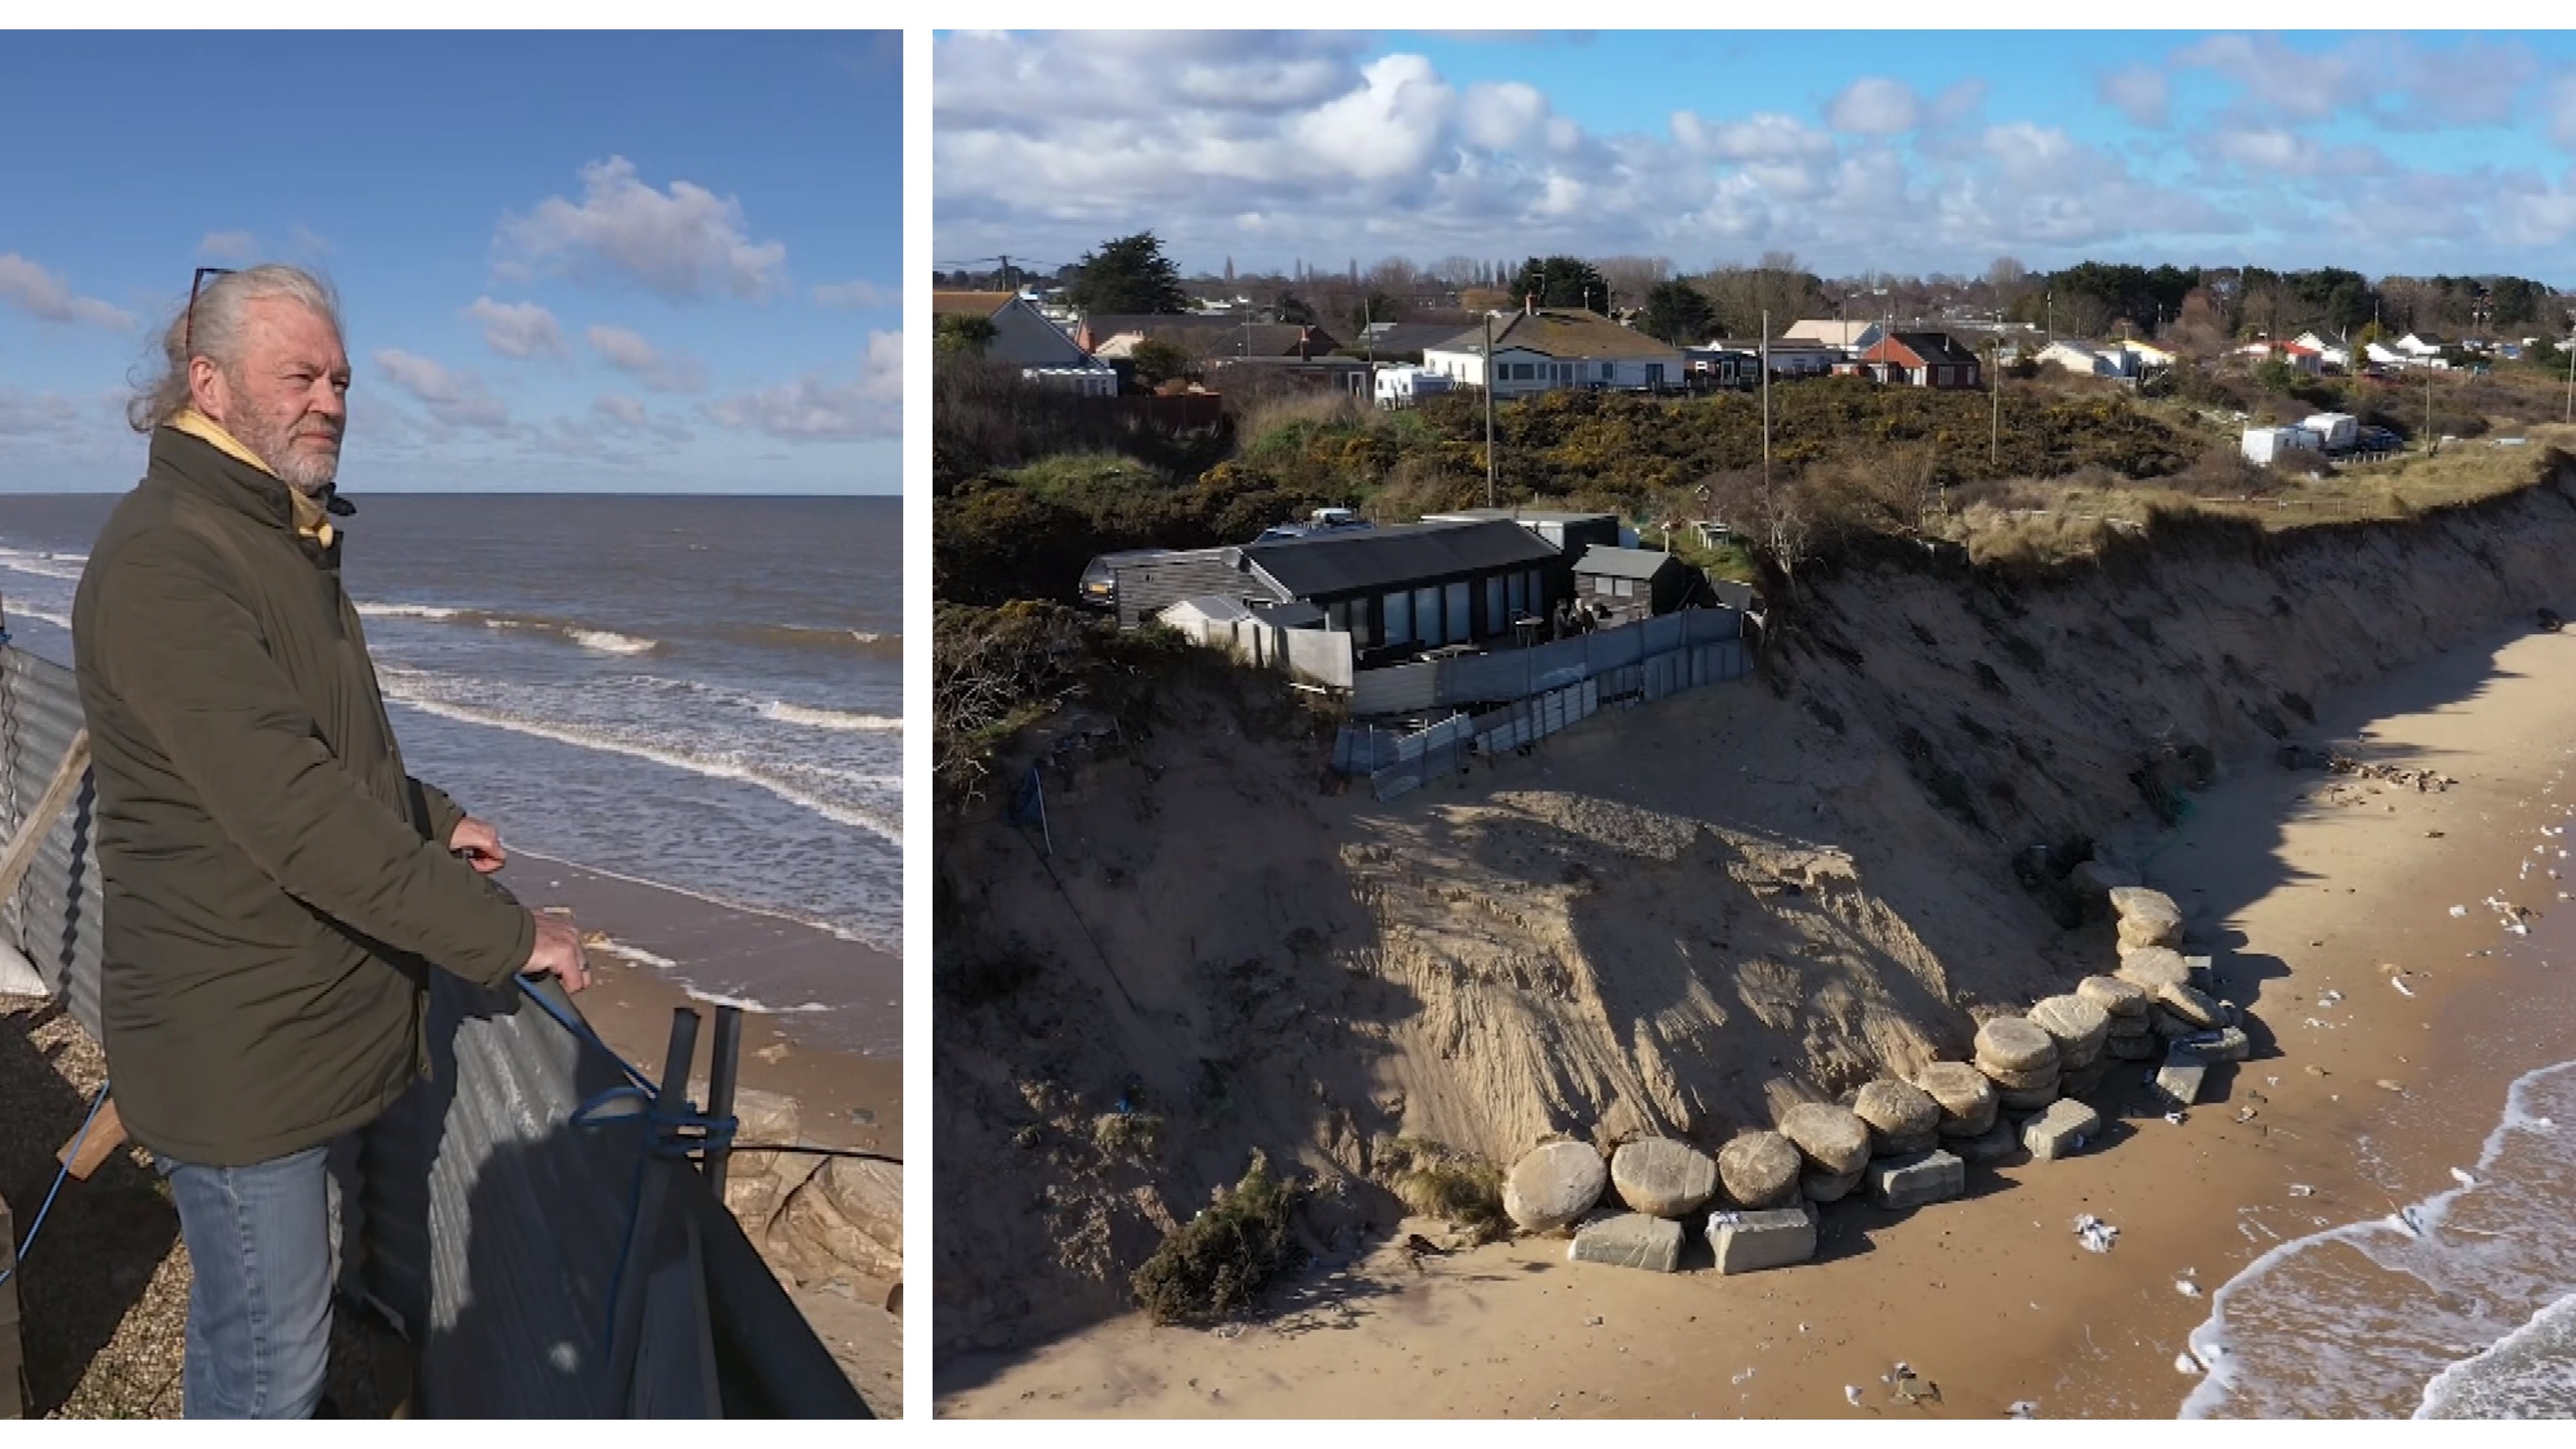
<point x="846" y="1099"/>
<point x="2297" y="883"/>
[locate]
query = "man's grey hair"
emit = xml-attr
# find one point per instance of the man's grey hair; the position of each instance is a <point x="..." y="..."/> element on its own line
<point x="214" y="332"/>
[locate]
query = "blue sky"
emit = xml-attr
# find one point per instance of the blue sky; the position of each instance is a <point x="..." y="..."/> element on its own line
<point x="567" y="262"/>
<point x="1911" y="152"/>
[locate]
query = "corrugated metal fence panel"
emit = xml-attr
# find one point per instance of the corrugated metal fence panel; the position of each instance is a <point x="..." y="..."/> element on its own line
<point x="492" y="1225"/>
<point x="1399" y="689"/>
<point x="54" y="917"/>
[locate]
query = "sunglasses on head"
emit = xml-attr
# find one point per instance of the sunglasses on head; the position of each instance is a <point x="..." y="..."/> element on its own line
<point x="188" y="327"/>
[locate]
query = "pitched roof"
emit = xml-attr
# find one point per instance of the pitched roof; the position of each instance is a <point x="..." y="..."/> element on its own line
<point x="1357" y="561"/>
<point x="1564" y="333"/>
<point x="1402" y="337"/>
<point x="1622" y="563"/>
<point x="1938" y="348"/>
<point x="1222" y="339"/>
<point x="969" y="304"/>
<point x="1827" y="331"/>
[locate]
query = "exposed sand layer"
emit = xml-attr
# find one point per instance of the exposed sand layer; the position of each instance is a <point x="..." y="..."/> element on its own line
<point x="1676" y="920"/>
<point x="105" y="1295"/>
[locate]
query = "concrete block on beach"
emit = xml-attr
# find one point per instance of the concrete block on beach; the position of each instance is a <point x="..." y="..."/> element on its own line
<point x="1965" y="1096"/>
<point x="1902" y="1117"/>
<point x="1751" y="1242"/>
<point x="1993" y="1145"/>
<point x="1554" y="1185"/>
<point x="1906" y="1182"/>
<point x="2147" y="917"/>
<point x="2192" y="1007"/>
<point x="2153" y="969"/>
<point x="1628" y="1240"/>
<point x="1822" y="1187"/>
<point x="1834" y="1139"/>
<point x="2061" y="1131"/>
<point x="1665" y="1178"/>
<point x="2010" y="1044"/>
<point x="2180" y="1079"/>
<point x="2227" y="1044"/>
<point x="2116" y="997"/>
<point x="1760" y="1170"/>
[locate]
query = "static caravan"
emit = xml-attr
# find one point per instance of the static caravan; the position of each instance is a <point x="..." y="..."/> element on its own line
<point x="2262" y="445"/>
<point x="2338" y="431"/>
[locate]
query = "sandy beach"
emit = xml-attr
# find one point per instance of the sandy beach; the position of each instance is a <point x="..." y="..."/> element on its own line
<point x="2299" y="884"/>
<point x="104" y="1294"/>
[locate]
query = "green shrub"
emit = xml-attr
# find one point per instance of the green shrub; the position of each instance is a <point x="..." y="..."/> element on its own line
<point x="1436" y="1181"/>
<point x="1218" y="1262"/>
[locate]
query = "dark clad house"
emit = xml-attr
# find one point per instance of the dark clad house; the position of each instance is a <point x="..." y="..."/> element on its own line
<point x="1397" y="589"/>
<point x="1633" y="583"/>
<point x="1418" y="585"/>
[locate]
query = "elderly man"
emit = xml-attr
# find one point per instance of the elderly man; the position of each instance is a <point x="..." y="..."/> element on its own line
<point x="277" y="887"/>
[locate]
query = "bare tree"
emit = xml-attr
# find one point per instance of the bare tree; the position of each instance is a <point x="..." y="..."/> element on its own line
<point x="1631" y="278"/>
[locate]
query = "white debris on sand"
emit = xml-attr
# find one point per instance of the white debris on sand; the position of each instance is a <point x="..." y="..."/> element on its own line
<point x="2402" y="988"/>
<point x="2023" y="1409"/>
<point x="2184" y="1363"/>
<point x="2097" y="1234"/>
<point x="2459" y="911"/>
<point x="1851" y="1395"/>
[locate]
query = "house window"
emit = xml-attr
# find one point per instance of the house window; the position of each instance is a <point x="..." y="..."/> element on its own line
<point x="1620" y="589"/>
<point x="1609" y="371"/>
<point x="1459" y="624"/>
<point x="1654" y="374"/>
<point x="1495" y="618"/>
<point x="1426" y="615"/>
<point x="1399" y="618"/>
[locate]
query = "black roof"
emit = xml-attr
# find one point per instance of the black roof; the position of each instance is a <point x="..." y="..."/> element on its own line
<point x="1403" y="554"/>
<point x="1937" y="347"/>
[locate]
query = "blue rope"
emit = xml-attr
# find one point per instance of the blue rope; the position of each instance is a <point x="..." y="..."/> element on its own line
<point x="668" y="1135"/>
<point x="38" y="1225"/>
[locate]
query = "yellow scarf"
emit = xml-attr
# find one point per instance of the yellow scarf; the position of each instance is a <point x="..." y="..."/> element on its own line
<point x="310" y="521"/>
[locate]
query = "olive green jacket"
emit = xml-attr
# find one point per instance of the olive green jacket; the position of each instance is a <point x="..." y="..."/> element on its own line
<point x="275" y="884"/>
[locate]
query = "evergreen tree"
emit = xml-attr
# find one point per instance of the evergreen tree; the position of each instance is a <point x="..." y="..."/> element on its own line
<point x="1561" y="282"/>
<point x="1678" y="313"/>
<point x="1129" y="274"/>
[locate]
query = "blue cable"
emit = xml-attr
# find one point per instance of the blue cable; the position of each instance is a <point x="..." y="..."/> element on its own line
<point x="38" y="1225"/>
<point x="668" y="1134"/>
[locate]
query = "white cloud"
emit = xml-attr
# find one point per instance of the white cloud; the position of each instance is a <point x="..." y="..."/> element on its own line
<point x="47" y="298"/>
<point x="629" y="353"/>
<point x="454" y="397"/>
<point x="858" y="296"/>
<point x="822" y="407"/>
<point x="2142" y="93"/>
<point x="615" y="413"/>
<point x="1766" y="136"/>
<point x="2562" y="110"/>
<point x="681" y="244"/>
<point x="991" y="78"/>
<point x="1874" y="106"/>
<point x="228" y="246"/>
<point x="518" y="329"/>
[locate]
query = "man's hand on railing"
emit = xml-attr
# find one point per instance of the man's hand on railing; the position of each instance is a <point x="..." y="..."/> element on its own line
<point x="478" y="845"/>
<point x="557" y="952"/>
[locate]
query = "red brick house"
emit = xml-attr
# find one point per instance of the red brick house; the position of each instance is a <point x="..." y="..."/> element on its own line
<point x="1921" y="359"/>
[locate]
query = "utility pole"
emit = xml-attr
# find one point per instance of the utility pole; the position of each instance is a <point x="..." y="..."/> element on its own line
<point x="2571" y="381"/>
<point x="2430" y="445"/>
<point x="1489" y="410"/>
<point x="1995" y="386"/>
<point x="1766" y="402"/>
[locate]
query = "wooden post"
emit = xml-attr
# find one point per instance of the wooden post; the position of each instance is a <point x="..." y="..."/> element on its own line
<point x="13" y="1358"/>
<point x="31" y="831"/>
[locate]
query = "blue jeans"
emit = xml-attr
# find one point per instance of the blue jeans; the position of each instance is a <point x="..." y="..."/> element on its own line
<point x="261" y="1242"/>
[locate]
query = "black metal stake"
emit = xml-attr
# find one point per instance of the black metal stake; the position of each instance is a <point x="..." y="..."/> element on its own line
<point x="723" y="1062"/>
